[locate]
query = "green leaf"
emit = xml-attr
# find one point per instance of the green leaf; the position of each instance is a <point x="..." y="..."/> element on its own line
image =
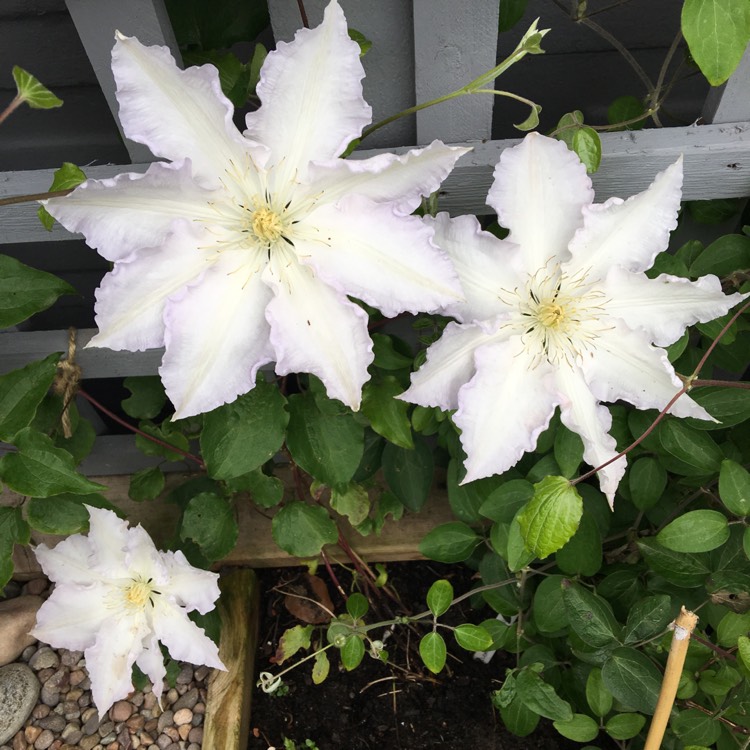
<point x="433" y="651"/>
<point x="466" y="499"/>
<point x="649" y="617"/>
<point x="540" y="697"/>
<point x="388" y="416"/>
<point x="568" y="451"/>
<point x="241" y="436"/>
<point x="65" y="178"/>
<point x="146" y="484"/>
<point x="449" y="543"/>
<point x="502" y="698"/>
<point x="472" y="637"/>
<point x="61" y="514"/>
<point x="714" y="211"/>
<point x="409" y="473"/>
<point x="328" y="446"/>
<point x="292" y="640"/>
<point x="357" y="605"/>
<point x="590" y="616"/>
<point x="696" y="531"/>
<point x="588" y="146"/>
<point x="734" y="488"/>
<point x="717" y="33"/>
<point x="647" y="480"/>
<point x="723" y="256"/>
<point x="504" y="502"/>
<point x="364" y="43"/>
<point x="164" y="434"/>
<point x="265" y="491"/>
<point x="633" y="679"/>
<point x="580" y="728"/>
<point x="25" y="291"/>
<point x="624" y="726"/>
<point x="351" y="501"/>
<point x="147" y="397"/>
<point x="303" y="530"/>
<point x="549" y="610"/>
<point x="743" y="650"/>
<point x="582" y="554"/>
<point x="13" y="530"/>
<point x="680" y="568"/>
<point x="697" y="449"/>
<point x="321" y="668"/>
<point x="352" y="652"/>
<point x="519" y="719"/>
<point x="209" y="521"/>
<point x="217" y="25"/>
<point x="746" y="542"/>
<point x="551" y="517"/>
<point x="531" y="121"/>
<point x="694" y="727"/>
<point x="519" y="556"/>
<point x="565" y="131"/>
<point x="31" y="91"/>
<point x="731" y="627"/>
<point x="21" y="392"/>
<point x="597" y="695"/>
<point x="38" y="469"/>
<point x="439" y="597"/>
<point x="626" y="108"/>
<point x="511" y="12"/>
<point x="387" y="357"/>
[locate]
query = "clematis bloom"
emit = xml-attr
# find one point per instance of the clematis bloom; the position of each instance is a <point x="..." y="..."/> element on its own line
<point x="245" y="249"/>
<point x="115" y="597"/>
<point x="561" y="313"/>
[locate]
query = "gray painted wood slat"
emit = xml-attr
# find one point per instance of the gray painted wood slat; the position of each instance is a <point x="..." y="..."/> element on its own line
<point x="97" y="21"/>
<point x="717" y="165"/>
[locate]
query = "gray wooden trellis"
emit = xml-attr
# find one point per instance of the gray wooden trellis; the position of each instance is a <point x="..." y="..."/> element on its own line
<point x="407" y="43"/>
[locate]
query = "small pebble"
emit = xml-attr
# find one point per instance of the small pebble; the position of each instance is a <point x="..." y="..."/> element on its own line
<point x="40" y="712"/>
<point x="172" y="696"/>
<point x="202" y="672"/>
<point x="55" y="723"/>
<point x="196" y="735"/>
<point x="36" y="586"/>
<point x="184" y="731"/>
<point x="187" y="700"/>
<point x="137" y="700"/>
<point x="185" y="677"/>
<point x="44" y="740"/>
<point x="199" y="708"/>
<point x="88" y="713"/>
<point x="135" y="722"/>
<point x="105" y="728"/>
<point x="44" y="658"/>
<point x="151" y="726"/>
<point x="183" y="716"/>
<point x="88" y="743"/>
<point x="121" y="711"/>
<point x="71" y="658"/>
<point x="77" y="676"/>
<point x="135" y="741"/>
<point x="146" y="738"/>
<point x="163" y="741"/>
<point x="19" y="741"/>
<point x="108" y="739"/>
<point x="31" y="733"/>
<point x="193" y="746"/>
<point x="113" y="746"/>
<point x="92" y="724"/>
<point x="172" y="733"/>
<point x="28" y="652"/>
<point x="71" y="734"/>
<point x="197" y="720"/>
<point x="165" y="720"/>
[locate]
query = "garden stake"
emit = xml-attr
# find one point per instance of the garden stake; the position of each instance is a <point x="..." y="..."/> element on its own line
<point x="683" y="627"/>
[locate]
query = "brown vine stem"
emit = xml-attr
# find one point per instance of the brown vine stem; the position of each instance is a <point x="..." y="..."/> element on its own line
<point x="33" y="196"/>
<point x="145" y="435"/>
<point x="303" y="14"/>
<point x="12" y="107"/>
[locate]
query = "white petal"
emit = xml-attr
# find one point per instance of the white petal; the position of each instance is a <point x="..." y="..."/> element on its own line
<point x="485" y="265"/>
<point x="311" y="94"/>
<point x="110" y="537"/>
<point x="69" y="561"/>
<point x="318" y="330"/>
<point x="386" y="178"/>
<point x="130" y="301"/>
<point x="624" y="365"/>
<point x="190" y="587"/>
<point x="449" y="366"/>
<point x="539" y="192"/>
<point x="151" y="662"/>
<point x="629" y="234"/>
<point x="366" y="250"/>
<point x="581" y="413"/>
<point x="131" y="211"/>
<point x="73" y="615"/>
<point x="176" y="113"/>
<point x="665" y="306"/>
<point x="216" y="337"/>
<point x="110" y="661"/>
<point x="503" y="409"/>
<point x="184" y="639"/>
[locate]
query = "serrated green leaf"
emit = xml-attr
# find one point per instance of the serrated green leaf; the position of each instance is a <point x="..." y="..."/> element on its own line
<point x="209" y="521"/>
<point x="147" y="397"/>
<point x="504" y="502"/>
<point x="31" y="91"/>
<point x="472" y="637"/>
<point x="580" y="728"/>
<point x="449" y="543"/>
<point x="551" y="517"/>
<point x="160" y="433"/>
<point x="519" y="556"/>
<point x="633" y="679"/>
<point x="433" y="651"/>
<point x="21" y="392"/>
<point x="351" y="501"/>
<point x="590" y="616"/>
<point x="734" y="488"/>
<point x="597" y="695"/>
<point x="502" y="698"/>
<point x="265" y="491"/>
<point x="409" y="473"/>
<point x="146" y="484"/>
<point x="588" y="146"/>
<point x="696" y="531"/>
<point x="38" y="469"/>
<point x="439" y="597"/>
<point x="540" y="697"/>
<point x="241" y="436"/>
<point x="321" y="668"/>
<point x="624" y="726"/>
<point x="13" y="530"/>
<point x="303" y="530"/>
<point x="25" y="291"/>
<point x="64" y="514"/>
<point x="717" y="33"/>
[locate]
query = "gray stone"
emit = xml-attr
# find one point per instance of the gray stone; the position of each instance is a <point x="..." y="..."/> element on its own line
<point x="19" y="690"/>
<point x="188" y="700"/>
<point x="44" y="658"/>
<point x="17" y="617"/>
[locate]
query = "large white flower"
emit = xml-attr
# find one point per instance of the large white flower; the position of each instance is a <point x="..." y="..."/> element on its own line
<point x="115" y="597"/>
<point x="246" y="248"/>
<point x="560" y="314"/>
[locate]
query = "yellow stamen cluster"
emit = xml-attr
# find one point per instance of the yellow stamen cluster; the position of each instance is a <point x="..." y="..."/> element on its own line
<point x="139" y="593"/>
<point x="266" y="225"/>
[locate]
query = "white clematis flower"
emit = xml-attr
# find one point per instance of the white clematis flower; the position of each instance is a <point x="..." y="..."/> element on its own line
<point x="115" y="597"/>
<point x="246" y="248"/>
<point x="560" y="314"/>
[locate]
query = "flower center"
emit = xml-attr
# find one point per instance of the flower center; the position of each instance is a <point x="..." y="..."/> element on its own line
<point x="266" y="225"/>
<point x="139" y="593"/>
<point x="551" y="315"/>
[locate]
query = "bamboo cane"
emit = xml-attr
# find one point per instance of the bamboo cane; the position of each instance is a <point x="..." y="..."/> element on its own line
<point x="684" y="625"/>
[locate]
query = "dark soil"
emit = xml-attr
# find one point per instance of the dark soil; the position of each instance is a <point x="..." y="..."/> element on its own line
<point x="382" y="706"/>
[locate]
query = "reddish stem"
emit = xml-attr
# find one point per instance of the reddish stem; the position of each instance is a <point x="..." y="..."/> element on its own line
<point x="335" y="580"/>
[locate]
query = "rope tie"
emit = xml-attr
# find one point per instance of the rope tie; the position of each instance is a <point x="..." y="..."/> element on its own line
<point x="67" y="381"/>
